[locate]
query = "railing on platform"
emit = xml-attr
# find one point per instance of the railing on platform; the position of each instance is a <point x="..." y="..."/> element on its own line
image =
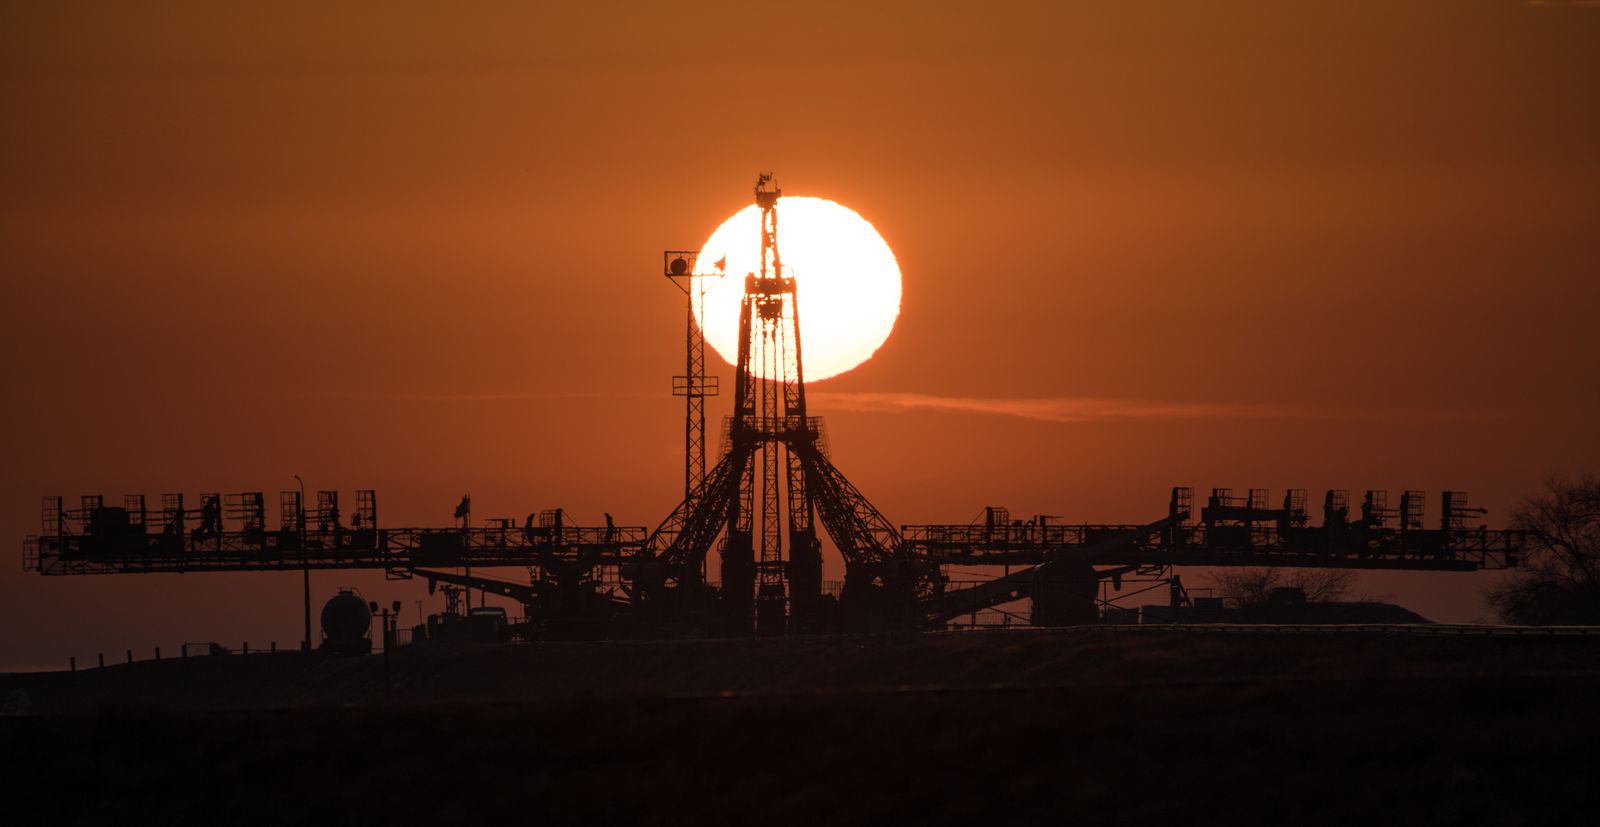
<point x="128" y="549"/>
<point x="1028" y="543"/>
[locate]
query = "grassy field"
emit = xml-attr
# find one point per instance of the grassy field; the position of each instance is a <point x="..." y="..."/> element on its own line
<point x="990" y="729"/>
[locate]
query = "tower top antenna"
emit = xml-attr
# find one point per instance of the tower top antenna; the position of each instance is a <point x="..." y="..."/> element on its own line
<point x="767" y="192"/>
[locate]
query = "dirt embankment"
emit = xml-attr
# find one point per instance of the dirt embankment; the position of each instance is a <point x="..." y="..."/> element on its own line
<point x="955" y="661"/>
<point x="1012" y="728"/>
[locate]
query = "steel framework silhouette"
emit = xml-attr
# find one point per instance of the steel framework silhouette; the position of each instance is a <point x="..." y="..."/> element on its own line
<point x="774" y="480"/>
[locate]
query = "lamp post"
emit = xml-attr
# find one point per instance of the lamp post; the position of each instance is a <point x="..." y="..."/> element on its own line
<point x="305" y="557"/>
<point x="389" y="636"/>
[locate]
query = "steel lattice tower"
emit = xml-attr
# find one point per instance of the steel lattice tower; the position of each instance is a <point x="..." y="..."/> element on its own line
<point x="769" y="413"/>
<point x="773" y="446"/>
<point x="769" y="405"/>
<point x="688" y="272"/>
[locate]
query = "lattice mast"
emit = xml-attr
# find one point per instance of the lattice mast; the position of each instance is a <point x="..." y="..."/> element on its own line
<point x="761" y="591"/>
<point x="691" y="273"/>
<point x="768" y="300"/>
<point x="770" y="412"/>
<point x="804" y="569"/>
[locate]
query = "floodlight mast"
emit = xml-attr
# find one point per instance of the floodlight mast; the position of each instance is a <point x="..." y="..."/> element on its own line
<point x="694" y="273"/>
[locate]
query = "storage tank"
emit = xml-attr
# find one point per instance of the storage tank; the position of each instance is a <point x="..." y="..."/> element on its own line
<point x="346" y="622"/>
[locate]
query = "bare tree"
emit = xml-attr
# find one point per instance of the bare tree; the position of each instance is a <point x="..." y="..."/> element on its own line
<point x="1243" y="587"/>
<point x="1323" y="585"/>
<point x="1558" y="579"/>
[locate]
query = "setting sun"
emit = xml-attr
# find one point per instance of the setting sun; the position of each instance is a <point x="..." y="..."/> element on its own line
<point x="849" y="282"/>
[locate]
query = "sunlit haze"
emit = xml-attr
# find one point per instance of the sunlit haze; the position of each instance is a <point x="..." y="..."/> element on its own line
<point x="849" y="282"/>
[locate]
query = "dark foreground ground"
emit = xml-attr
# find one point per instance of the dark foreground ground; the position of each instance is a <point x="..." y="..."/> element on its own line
<point x="1017" y="728"/>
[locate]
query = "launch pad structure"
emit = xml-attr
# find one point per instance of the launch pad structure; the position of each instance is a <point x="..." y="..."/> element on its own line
<point x="759" y="507"/>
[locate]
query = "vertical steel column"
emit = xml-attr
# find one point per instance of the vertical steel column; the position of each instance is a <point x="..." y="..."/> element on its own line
<point x="305" y="554"/>
<point x="805" y="553"/>
<point x="738" y="553"/>
<point x="771" y="536"/>
<point x="770" y="599"/>
<point x="694" y="427"/>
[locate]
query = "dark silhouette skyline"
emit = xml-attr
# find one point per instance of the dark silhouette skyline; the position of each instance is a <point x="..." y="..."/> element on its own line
<point x="1335" y="245"/>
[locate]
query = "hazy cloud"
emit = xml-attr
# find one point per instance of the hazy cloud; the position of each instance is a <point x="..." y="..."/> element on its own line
<point x="1046" y="410"/>
<point x="462" y="397"/>
<point x="1089" y="410"/>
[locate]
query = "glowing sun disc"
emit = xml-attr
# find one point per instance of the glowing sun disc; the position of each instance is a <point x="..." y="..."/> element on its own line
<point x="847" y="278"/>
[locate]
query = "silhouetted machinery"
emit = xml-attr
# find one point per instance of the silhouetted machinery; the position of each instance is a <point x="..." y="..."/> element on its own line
<point x="758" y="507"/>
<point x="773" y="450"/>
<point x="347" y="624"/>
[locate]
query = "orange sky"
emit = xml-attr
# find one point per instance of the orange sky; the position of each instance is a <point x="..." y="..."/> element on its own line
<point x="1339" y="244"/>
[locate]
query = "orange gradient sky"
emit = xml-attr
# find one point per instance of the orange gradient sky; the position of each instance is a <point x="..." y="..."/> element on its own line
<point x="416" y="249"/>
